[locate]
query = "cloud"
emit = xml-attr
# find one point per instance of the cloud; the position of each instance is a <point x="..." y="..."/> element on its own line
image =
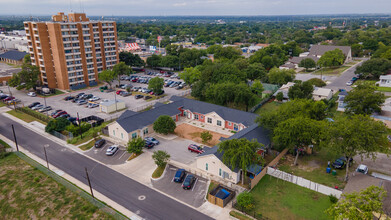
<point x="180" y="4"/>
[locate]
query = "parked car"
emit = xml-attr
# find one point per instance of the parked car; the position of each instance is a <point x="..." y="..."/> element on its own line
<point x="55" y="112"/>
<point x="354" y="79"/>
<point x="111" y="150"/>
<point x="349" y="83"/>
<point x="64" y="116"/>
<point x="93" y="99"/>
<point x="79" y="95"/>
<point x="9" y="98"/>
<point x="32" y="94"/>
<point x="188" y="182"/>
<point x="147" y="97"/>
<point x="33" y="104"/>
<point x="2" y="97"/>
<point x="124" y="94"/>
<point x="59" y="114"/>
<point x="149" y="144"/>
<point x="341" y="163"/>
<point x="362" y="169"/>
<point x="75" y="100"/>
<point x="92" y="105"/>
<point x="180" y="175"/>
<point x="68" y="98"/>
<point x="195" y="148"/>
<point x="119" y="92"/>
<point x="73" y="120"/>
<point x="37" y="107"/>
<point x="153" y="140"/>
<point x="100" y="143"/>
<point x="13" y="101"/>
<point x="86" y="96"/>
<point x="138" y="96"/>
<point x="82" y="102"/>
<point x="45" y="109"/>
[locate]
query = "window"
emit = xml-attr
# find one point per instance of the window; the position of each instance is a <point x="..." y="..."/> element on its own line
<point x="209" y="120"/>
<point x="220" y="172"/>
<point x="146" y="131"/>
<point x="206" y="166"/>
<point x="218" y="123"/>
<point x="134" y="135"/>
<point x="114" y="132"/>
<point x="229" y="123"/>
<point x="122" y="136"/>
<point x="196" y="117"/>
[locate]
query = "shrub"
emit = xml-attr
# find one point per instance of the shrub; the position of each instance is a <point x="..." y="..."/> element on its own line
<point x="164" y="124"/>
<point x="58" y="124"/>
<point x="333" y="199"/>
<point x="246" y="200"/>
<point x="206" y="136"/>
<point x="280" y="96"/>
<point x="161" y="158"/>
<point x="317" y="82"/>
<point x="136" y="145"/>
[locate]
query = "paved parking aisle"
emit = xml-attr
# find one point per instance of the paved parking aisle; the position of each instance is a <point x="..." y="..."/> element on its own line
<point x="194" y="197"/>
<point x="99" y="154"/>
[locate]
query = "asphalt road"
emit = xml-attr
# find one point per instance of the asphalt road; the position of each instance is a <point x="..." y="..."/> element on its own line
<point x="340" y="82"/>
<point x="110" y="183"/>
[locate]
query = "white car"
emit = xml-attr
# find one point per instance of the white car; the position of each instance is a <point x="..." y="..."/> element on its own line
<point x="362" y="169"/>
<point x="32" y="94"/>
<point x="93" y="99"/>
<point x="349" y="83"/>
<point x="111" y="150"/>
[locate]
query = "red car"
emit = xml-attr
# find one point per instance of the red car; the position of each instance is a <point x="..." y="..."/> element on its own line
<point x="135" y="79"/>
<point x="161" y="71"/>
<point x="58" y="114"/>
<point x="119" y="92"/>
<point x="8" y="99"/>
<point x="195" y="148"/>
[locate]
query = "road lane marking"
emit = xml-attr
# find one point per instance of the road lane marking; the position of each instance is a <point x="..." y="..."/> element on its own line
<point x="194" y="184"/>
<point x="122" y="155"/>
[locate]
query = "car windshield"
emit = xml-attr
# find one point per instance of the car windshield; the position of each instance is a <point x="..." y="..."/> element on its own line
<point x="339" y="161"/>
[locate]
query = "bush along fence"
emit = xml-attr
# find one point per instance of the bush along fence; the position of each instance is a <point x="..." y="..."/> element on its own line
<point x="35" y="114"/>
<point x="115" y="214"/>
<point x="248" y="212"/>
<point x="264" y="100"/>
<point x="304" y="182"/>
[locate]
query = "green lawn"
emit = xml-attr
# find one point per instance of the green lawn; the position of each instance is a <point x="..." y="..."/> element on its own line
<point x="4" y="144"/>
<point x="27" y="193"/>
<point x="278" y="199"/>
<point x="332" y="70"/>
<point x="372" y="82"/>
<point x="25" y="117"/>
<point x="2" y="104"/>
<point x="239" y="216"/>
<point x="88" y="145"/>
<point x="87" y="136"/>
<point x="267" y="107"/>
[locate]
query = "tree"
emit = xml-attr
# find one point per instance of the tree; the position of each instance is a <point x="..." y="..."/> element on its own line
<point x="206" y="136"/>
<point x="154" y="60"/>
<point x="280" y="96"/>
<point x="256" y="71"/>
<point x="246" y="200"/>
<point x="360" y="205"/>
<point x="307" y="63"/>
<point x="357" y="135"/>
<point x="136" y="145"/>
<point x="108" y="76"/>
<point x="58" y="124"/>
<point x="131" y="59"/>
<point x="257" y="87"/>
<point x="164" y="124"/>
<point x="364" y="99"/>
<point x="169" y="61"/>
<point x="156" y="85"/>
<point x="190" y="75"/>
<point x="301" y="90"/>
<point x="121" y="69"/>
<point x="161" y="158"/>
<point x="297" y="133"/>
<point x="29" y="75"/>
<point x="316" y="82"/>
<point x="278" y="76"/>
<point x="332" y="58"/>
<point x="239" y="153"/>
<point x="374" y="68"/>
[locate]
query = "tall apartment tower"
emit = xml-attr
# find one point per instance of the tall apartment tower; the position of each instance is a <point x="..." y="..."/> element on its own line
<point x="71" y="51"/>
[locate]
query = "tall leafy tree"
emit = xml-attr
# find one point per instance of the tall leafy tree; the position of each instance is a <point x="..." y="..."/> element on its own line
<point x="161" y="158"/>
<point x="136" y="145"/>
<point x="120" y="69"/>
<point x="190" y="75"/>
<point x="156" y="84"/>
<point x="364" y="99"/>
<point x="256" y="71"/>
<point x="332" y="58"/>
<point x="307" y="63"/>
<point x="357" y="135"/>
<point x="301" y="90"/>
<point x="278" y="76"/>
<point x="131" y="59"/>
<point x="360" y="205"/>
<point x="29" y="75"/>
<point x="154" y="60"/>
<point x="107" y="75"/>
<point x="239" y="153"/>
<point x="297" y="133"/>
<point x="257" y="87"/>
<point x="374" y="68"/>
<point x="164" y="124"/>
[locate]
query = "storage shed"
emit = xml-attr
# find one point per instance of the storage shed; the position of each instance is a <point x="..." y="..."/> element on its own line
<point x="111" y="106"/>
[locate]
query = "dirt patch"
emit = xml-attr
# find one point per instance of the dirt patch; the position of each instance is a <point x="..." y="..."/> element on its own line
<point x="194" y="133"/>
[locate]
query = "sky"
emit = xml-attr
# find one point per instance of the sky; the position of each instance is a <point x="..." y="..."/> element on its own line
<point x="194" y="7"/>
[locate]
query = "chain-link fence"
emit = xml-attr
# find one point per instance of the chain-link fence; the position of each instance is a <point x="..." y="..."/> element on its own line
<point x="115" y="214"/>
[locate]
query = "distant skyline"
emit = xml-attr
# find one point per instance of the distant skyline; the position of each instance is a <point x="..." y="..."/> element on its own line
<point x="194" y="7"/>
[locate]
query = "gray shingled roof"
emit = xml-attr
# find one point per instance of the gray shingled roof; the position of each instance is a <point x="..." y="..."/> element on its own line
<point x="319" y="50"/>
<point x="131" y="121"/>
<point x="13" y="55"/>
<point x="256" y="132"/>
<point x="297" y="60"/>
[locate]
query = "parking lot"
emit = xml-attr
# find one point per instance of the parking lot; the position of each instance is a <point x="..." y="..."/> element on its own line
<point x="99" y="154"/>
<point x="177" y="148"/>
<point x="57" y="102"/>
<point x="194" y="197"/>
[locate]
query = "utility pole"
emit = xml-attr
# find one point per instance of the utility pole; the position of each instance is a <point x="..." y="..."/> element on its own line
<point x="89" y="183"/>
<point x="78" y="120"/>
<point x="16" y="142"/>
<point x="46" y="156"/>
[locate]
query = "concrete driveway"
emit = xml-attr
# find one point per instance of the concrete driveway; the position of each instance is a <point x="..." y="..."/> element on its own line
<point x="177" y="148"/>
<point x="99" y="154"/>
<point x="194" y="197"/>
<point x="382" y="164"/>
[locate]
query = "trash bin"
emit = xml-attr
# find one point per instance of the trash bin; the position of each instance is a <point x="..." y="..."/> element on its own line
<point x="334" y="172"/>
<point x="328" y="170"/>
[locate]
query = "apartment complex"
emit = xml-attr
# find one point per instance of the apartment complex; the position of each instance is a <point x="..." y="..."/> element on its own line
<point x="71" y="51"/>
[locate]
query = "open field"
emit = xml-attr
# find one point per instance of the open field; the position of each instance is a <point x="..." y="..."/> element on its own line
<point x="194" y="133"/>
<point x="27" y="193"/>
<point x="268" y="107"/>
<point x="278" y="199"/>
